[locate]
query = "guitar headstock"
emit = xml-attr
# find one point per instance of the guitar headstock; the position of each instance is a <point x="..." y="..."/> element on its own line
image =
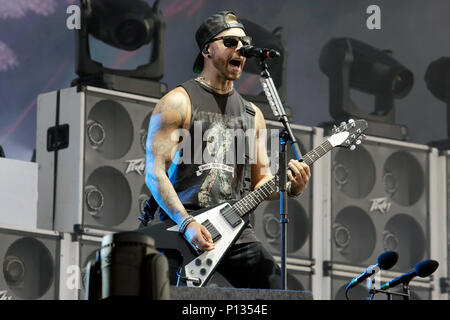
<point x="348" y="135"/>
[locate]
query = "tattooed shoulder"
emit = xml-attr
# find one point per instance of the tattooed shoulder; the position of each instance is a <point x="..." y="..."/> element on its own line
<point x="176" y="102"/>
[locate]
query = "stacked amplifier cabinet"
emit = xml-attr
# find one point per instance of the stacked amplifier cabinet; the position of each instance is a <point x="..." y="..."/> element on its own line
<point x="445" y="279"/>
<point x="30" y="262"/>
<point x="83" y="248"/>
<point x="299" y="276"/>
<point x="266" y="218"/>
<point x="18" y="197"/>
<point x="91" y="154"/>
<point x="380" y="199"/>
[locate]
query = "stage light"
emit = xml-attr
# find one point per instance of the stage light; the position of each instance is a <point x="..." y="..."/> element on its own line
<point x="126" y="25"/>
<point x="437" y="78"/>
<point x="123" y="24"/>
<point x="263" y="38"/>
<point x="350" y="63"/>
<point x="372" y="71"/>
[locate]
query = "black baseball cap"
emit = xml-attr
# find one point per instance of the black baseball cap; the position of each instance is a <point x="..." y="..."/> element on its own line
<point x="212" y="26"/>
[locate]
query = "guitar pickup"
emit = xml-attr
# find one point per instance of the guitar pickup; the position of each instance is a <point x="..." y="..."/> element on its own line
<point x="215" y="235"/>
<point x="231" y="216"/>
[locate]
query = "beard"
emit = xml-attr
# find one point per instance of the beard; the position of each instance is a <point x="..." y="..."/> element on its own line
<point x="226" y="70"/>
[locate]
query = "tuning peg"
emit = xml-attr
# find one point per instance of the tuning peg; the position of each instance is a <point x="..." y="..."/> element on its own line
<point x="335" y="129"/>
<point x="343" y="123"/>
<point x="352" y="147"/>
<point x="358" y="141"/>
<point x="351" y="121"/>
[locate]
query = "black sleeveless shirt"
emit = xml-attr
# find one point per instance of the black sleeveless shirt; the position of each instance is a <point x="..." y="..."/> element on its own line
<point x="213" y="172"/>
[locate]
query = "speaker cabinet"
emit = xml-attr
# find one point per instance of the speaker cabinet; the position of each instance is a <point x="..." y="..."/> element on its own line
<point x="266" y="217"/>
<point x="445" y="280"/>
<point x="299" y="277"/>
<point x="22" y="183"/>
<point x="88" y="247"/>
<point x="29" y="259"/>
<point x="91" y="155"/>
<point x="380" y="202"/>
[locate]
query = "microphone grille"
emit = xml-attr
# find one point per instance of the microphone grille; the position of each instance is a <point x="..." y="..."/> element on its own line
<point x="387" y="260"/>
<point x="426" y="268"/>
<point x="243" y="50"/>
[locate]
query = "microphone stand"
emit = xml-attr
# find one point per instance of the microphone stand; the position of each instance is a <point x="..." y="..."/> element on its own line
<point x="286" y="135"/>
<point x="406" y="292"/>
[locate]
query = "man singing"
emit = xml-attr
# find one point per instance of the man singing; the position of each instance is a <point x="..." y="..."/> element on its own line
<point x="208" y="105"/>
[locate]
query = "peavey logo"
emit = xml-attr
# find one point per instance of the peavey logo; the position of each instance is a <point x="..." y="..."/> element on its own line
<point x="4" y="295"/>
<point x="380" y="204"/>
<point x="137" y="165"/>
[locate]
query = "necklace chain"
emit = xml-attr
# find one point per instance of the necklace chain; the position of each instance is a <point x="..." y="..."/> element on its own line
<point x="202" y="79"/>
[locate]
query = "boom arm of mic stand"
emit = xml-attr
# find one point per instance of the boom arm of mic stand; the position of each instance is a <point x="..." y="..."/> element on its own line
<point x="275" y="103"/>
<point x="406" y="294"/>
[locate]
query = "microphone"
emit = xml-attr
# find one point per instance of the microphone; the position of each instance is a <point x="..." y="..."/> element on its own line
<point x="423" y="269"/>
<point x="385" y="261"/>
<point x="262" y="53"/>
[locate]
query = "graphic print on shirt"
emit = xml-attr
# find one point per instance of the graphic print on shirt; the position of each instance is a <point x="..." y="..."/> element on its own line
<point x="216" y="187"/>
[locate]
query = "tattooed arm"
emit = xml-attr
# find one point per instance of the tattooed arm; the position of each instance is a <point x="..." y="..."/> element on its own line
<point x="260" y="171"/>
<point x="172" y="112"/>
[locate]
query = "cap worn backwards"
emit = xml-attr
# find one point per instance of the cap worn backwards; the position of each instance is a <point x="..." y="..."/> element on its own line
<point x="212" y="26"/>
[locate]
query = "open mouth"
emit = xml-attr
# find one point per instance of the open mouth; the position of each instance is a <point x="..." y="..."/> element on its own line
<point x="235" y="63"/>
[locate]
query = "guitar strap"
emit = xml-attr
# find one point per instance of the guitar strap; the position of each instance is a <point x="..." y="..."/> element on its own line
<point x="151" y="206"/>
<point x="249" y="123"/>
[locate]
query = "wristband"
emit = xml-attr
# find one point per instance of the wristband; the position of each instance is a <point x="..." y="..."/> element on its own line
<point x="184" y="223"/>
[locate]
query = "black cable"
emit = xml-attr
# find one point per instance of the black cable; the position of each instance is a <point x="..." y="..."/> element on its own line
<point x="179" y="276"/>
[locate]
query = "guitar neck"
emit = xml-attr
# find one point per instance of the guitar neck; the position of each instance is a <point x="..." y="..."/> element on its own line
<point x="254" y="198"/>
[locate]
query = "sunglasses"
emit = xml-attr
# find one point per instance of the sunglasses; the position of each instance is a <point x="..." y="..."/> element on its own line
<point x="232" y="41"/>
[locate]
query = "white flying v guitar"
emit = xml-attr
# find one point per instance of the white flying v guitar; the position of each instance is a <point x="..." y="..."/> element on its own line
<point x="227" y="220"/>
